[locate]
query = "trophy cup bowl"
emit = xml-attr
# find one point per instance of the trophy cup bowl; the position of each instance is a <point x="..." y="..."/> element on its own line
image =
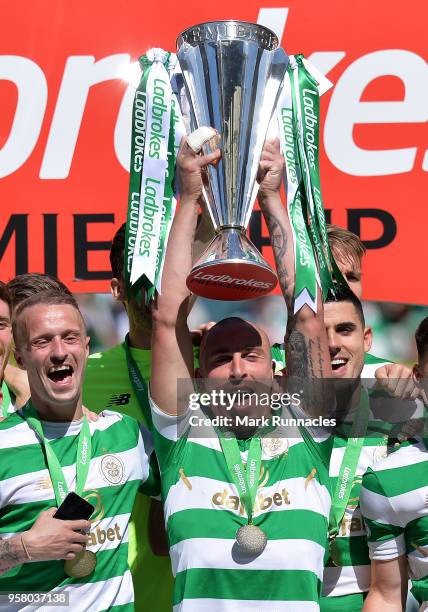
<point x="232" y="73"/>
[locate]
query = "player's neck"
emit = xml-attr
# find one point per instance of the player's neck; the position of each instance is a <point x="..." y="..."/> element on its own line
<point x="348" y="398"/>
<point x="355" y="395"/>
<point x="59" y="413"/>
<point x="139" y="338"/>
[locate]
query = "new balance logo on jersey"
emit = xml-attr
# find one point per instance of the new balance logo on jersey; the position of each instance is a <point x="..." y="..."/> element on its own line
<point x="119" y="400"/>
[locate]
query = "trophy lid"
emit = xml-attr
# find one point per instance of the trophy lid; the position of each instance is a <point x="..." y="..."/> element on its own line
<point x="213" y="31"/>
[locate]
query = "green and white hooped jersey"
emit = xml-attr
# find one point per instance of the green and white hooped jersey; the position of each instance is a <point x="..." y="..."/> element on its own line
<point x="350" y="574"/>
<point x="203" y="513"/>
<point x="119" y="464"/>
<point x="394" y="503"/>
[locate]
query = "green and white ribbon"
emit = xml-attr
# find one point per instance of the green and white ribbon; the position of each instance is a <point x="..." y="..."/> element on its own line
<point x="349" y="465"/>
<point x="298" y="117"/>
<point x="246" y="478"/>
<point x="83" y="459"/>
<point x="156" y="128"/>
<point x="306" y="270"/>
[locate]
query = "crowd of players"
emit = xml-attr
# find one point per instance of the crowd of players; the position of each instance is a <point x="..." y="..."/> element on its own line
<point x="166" y="505"/>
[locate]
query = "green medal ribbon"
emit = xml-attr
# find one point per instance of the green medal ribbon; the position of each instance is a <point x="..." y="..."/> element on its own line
<point x="349" y="465"/>
<point x="138" y="383"/>
<point x="83" y="459"/>
<point x="6" y="401"/>
<point x="245" y="478"/>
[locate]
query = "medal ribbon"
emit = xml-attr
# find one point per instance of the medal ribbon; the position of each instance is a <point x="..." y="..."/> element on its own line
<point x="156" y="125"/>
<point x="138" y="383"/>
<point x="83" y="459"/>
<point x="6" y="401"/>
<point x="246" y="478"/>
<point x="349" y="465"/>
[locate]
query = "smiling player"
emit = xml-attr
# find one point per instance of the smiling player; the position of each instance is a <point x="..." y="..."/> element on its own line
<point x="47" y="449"/>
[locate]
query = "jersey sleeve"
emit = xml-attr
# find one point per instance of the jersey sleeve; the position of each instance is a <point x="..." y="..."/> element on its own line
<point x="170" y="436"/>
<point x="385" y="532"/>
<point x="152" y="485"/>
<point x="147" y="460"/>
<point x="318" y="440"/>
<point x="278" y="356"/>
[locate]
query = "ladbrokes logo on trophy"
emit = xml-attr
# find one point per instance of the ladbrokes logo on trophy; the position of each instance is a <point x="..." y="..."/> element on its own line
<point x="229" y="280"/>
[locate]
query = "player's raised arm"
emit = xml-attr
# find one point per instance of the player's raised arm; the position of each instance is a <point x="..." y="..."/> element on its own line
<point x="306" y="344"/>
<point x="172" y="355"/>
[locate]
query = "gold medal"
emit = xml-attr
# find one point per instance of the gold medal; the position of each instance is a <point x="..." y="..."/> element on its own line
<point x="82" y="565"/>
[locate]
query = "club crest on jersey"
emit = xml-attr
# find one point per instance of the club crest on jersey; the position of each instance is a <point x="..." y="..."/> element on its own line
<point x="112" y="469"/>
<point x="380" y="452"/>
<point x="275" y="446"/>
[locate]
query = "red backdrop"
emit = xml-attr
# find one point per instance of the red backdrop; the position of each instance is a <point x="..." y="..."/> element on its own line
<point x="63" y="139"/>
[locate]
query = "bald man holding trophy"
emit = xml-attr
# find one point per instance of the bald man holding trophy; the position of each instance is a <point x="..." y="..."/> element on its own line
<point x="246" y="506"/>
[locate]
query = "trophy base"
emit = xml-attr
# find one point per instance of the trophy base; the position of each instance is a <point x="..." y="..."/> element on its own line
<point x="231" y="269"/>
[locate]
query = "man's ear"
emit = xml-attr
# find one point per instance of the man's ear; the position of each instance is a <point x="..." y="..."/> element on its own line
<point x="273" y="368"/>
<point x="87" y="342"/>
<point x="117" y="288"/>
<point x="416" y="373"/>
<point x="368" y="339"/>
<point x="18" y="359"/>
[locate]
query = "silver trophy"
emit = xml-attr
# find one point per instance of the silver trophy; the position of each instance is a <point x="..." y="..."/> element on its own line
<point x="232" y="73"/>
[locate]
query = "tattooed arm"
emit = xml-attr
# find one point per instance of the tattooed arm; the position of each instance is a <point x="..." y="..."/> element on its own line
<point x="306" y="347"/>
<point x="12" y="553"/>
<point x="48" y="539"/>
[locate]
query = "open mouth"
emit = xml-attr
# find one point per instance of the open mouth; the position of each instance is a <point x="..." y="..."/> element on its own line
<point x="337" y="363"/>
<point x="60" y="375"/>
<point x="239" y="391"/>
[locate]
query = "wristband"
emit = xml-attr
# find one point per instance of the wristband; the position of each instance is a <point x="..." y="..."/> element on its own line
<point x="25" y="548"/>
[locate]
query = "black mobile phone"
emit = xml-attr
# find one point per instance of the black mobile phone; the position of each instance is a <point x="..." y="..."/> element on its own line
<point x="74" y="508"/>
